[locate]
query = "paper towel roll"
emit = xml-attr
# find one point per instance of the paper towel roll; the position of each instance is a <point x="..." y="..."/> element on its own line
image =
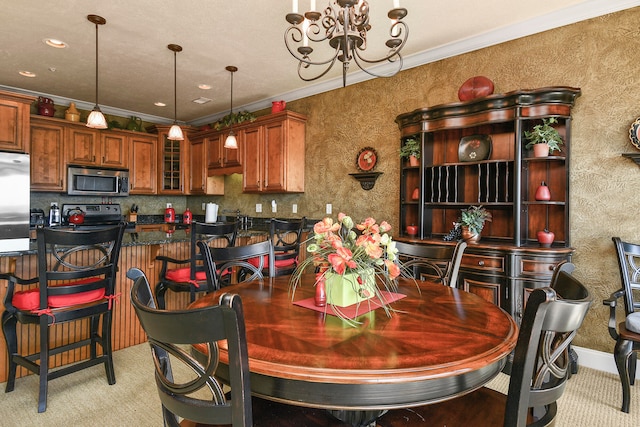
<point x="211" y="213"/>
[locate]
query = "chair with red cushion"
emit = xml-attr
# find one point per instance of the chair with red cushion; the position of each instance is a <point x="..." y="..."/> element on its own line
<point x="226" y="266"/>
<point x="188" y="275"/>
<point x="286" y="236"/>
<point x="76" y="282"/>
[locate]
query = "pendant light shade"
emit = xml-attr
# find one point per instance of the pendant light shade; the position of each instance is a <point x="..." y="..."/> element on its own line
<point x="96" y="119"/>
<point x="231" y="141"/>
<point x="175" y="132"/>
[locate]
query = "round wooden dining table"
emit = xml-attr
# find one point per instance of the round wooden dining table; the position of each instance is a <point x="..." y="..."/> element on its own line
<point x="435" y="344"/>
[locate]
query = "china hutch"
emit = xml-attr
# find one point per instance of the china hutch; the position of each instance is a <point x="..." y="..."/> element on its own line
<point x="474" y="153"/>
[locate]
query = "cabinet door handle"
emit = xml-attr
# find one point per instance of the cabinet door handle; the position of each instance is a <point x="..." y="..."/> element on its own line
<point x="481" y="263"/>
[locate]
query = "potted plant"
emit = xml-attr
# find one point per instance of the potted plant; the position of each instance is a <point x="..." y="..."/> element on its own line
<point x="472" y="222"/>
<point x="411" y="150"/>
<point x="233" y="119"/>
<point x="544" y="138"/>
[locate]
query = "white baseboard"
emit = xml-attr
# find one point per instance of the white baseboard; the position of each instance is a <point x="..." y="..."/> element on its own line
<point x="599" y="360"/>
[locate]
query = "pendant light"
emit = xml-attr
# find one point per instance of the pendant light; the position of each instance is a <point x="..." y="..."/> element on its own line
<point x="231" y="141"/>
<point x="96" y="119"/>
<point x="175" y="133"/>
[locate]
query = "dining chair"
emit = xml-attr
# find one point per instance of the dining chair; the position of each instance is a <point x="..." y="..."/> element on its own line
<point x="431" y="262"/>
<point x="225" y="266"/>
<point x="188" y="275"/>
<point x="188" y="386"/>
<point x="626" y="332"/>
<point x="76" y="282"/>
<point x="539" y="373"/>
<point x="286" y="236"/>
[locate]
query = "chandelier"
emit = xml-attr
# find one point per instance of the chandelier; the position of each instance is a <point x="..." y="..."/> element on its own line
<point x="344" y="24"/>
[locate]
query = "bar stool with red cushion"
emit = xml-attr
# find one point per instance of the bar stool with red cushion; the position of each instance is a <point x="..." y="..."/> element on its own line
<point x="76" y="281"/>
<point x="188" y="275"/>
<point x="286" y="236"/>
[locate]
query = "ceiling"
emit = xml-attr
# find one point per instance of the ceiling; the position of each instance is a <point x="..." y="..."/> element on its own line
<point x="136" y="67"/>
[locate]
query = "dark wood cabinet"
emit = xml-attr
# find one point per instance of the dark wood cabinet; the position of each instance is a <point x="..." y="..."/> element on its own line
<point x="91" y="147"/>
<point x="143" y="173"/>
<point x="474" y="153"/>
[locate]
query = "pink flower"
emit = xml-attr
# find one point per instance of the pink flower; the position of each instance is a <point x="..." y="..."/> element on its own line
<point x="341" y="260"/>
<point x="394" y="270"/>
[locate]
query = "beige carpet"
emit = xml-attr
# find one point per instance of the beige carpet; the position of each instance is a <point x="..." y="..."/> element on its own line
<point x="592" y="398"/>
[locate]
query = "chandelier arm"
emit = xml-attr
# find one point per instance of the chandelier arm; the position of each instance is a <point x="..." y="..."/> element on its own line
<point x="305" y="58"/>
<point x="398" y="61"/>
<point x="303" y="64"/>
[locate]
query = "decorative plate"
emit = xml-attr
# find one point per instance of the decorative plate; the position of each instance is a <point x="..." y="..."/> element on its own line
<point x="367" y="159"/>
<point x="634" y="133"/>
<point x="474" y="148"/>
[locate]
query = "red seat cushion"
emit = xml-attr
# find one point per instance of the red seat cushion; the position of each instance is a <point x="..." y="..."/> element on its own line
<point x="184" y="275"/>
<point x="30" y="300"/>
<point x="279" y="263"/>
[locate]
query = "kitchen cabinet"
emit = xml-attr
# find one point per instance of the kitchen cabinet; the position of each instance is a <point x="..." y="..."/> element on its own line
<point x="172" y="161"/>
<point x="199" y="181"/>
<point x="273" y="154"/>
<point x="221" y="160"/>
<point x="143" y="171"/>
<point x="474" y="153"/>
<point x="47" y="155"/>
<point x="14" y="121"/>
<point x="91" y="147"/>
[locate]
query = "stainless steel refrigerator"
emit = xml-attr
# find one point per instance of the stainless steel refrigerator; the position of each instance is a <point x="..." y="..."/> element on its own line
<point x="14" y="202"/>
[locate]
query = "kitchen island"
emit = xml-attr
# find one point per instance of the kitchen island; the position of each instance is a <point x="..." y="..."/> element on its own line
<point x="139" y="249"/>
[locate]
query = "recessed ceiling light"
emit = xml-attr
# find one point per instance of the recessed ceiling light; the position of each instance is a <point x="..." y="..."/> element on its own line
<point x="159" y="104"/>
<point x="201" y="100"/>
<point x="27" y="73"/>
<point x="58" y="44"/>
<point x="204" y="86"/>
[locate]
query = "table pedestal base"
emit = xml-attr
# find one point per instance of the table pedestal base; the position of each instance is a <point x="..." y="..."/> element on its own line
<point x="357" y="418"/>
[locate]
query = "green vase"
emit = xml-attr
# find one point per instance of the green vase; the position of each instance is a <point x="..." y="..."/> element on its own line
<point x="344" y="290"/>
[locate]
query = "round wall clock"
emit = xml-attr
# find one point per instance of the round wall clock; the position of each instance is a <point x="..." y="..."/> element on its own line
<point x="367" y="159"/>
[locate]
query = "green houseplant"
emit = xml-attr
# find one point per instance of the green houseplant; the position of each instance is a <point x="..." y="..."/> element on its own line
<point x="544" y="134"/>
<point x="472" y="222"/>
<point x="233" y="119"/>
<point x="410" y="150"/>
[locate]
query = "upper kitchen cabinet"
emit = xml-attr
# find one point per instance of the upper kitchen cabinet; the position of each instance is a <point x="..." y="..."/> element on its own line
<point x="273" y="154"/>
<point x="172" y="162"/>
<point x="14" y="121"/>
<point x="85" y="146"/>
<point x="199" y="181"/>
<point x="143" y="171"/>
<point x="221" y="160"/>
<point x="47" y="155"/>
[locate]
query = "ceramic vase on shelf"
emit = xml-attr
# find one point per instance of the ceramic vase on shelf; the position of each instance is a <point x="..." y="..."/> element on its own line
<point x="470" y="237"/>
<point x="412" y="230"/>
<point x="416" y="194"/>
<point x="72" y="114"/>
<point x="541" y="150"/>
<point x="546" y="238"/>
<point x="543" y="193"/>
<point x="414" y="161"/>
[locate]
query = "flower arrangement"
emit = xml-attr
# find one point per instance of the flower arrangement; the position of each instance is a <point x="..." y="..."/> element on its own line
<point x="336" y="248"/>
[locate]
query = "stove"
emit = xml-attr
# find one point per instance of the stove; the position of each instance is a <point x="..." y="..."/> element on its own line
<point x="95" y="215"/>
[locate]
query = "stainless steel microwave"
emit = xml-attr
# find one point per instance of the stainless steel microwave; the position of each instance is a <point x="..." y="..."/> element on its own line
<point x="96" y="181"/>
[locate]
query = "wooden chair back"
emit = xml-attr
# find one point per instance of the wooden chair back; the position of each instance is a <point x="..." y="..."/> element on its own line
<point x="286" y="236"/>
<point x="431" y="262"/>
<point x="188" y="388"/>
<point x="225" y="266"/>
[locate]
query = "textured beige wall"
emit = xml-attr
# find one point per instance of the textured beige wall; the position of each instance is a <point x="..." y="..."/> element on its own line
<point x="598" y="56"/>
